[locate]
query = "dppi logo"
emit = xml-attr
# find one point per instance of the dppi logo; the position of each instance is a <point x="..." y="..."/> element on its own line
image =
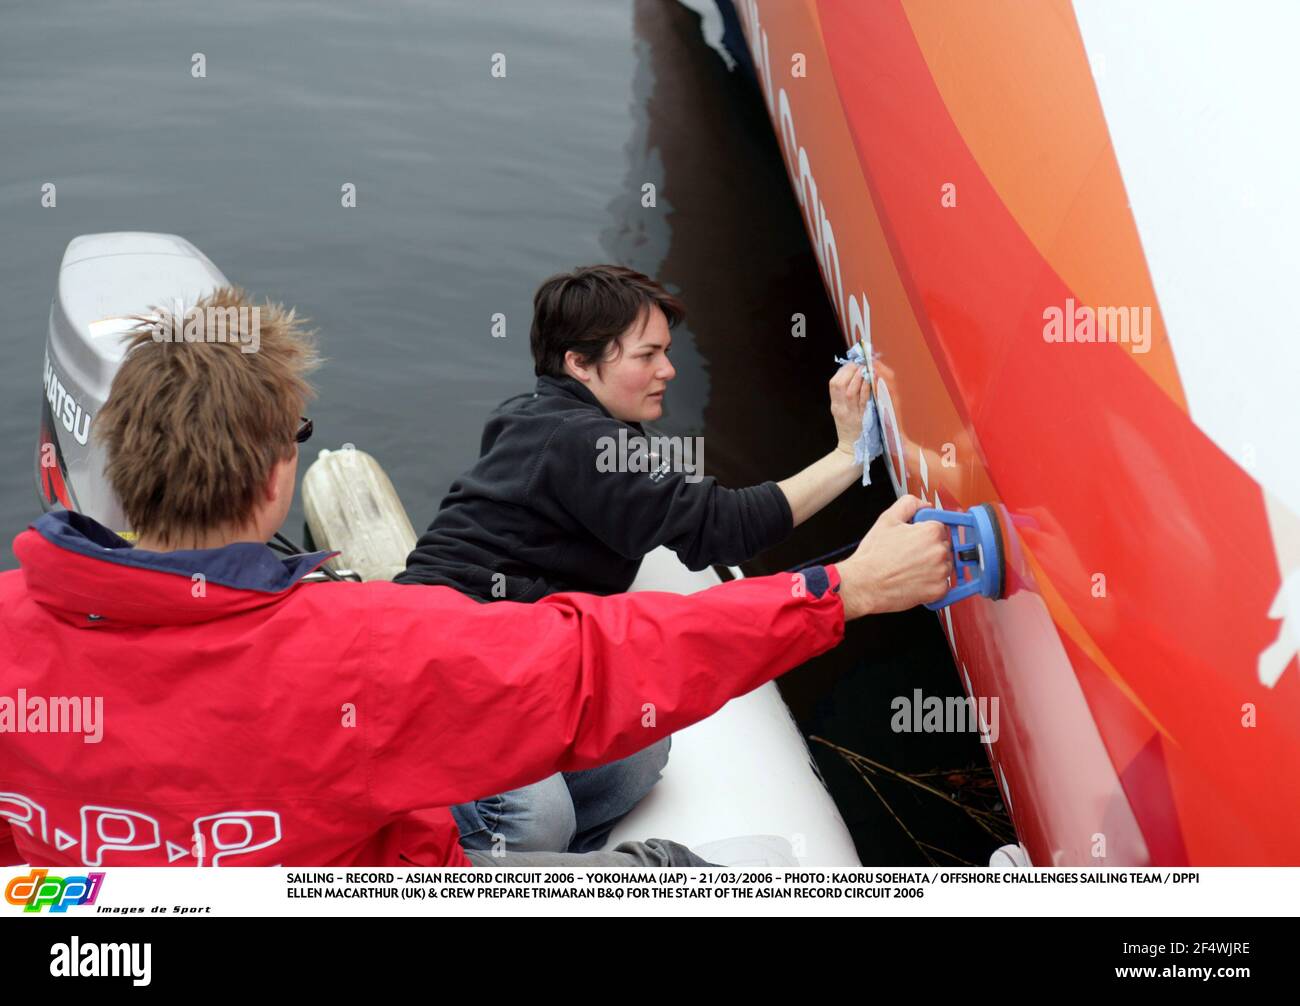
<point x="39" y="890"/>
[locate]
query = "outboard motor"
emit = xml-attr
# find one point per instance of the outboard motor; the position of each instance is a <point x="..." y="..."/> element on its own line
<point x="104" y="280"/>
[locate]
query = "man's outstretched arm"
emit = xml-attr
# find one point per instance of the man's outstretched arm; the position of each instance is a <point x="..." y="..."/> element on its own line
<point x="470" y="699"/>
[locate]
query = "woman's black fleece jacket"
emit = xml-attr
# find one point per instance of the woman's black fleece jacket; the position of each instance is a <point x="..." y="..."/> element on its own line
<point x="537" y="516"/>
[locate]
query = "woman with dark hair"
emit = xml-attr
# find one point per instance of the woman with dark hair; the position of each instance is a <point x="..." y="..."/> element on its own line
<point x="570" y="493"/>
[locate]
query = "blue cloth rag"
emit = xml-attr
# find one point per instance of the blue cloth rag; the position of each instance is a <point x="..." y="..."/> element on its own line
<point x="871" y="444"/>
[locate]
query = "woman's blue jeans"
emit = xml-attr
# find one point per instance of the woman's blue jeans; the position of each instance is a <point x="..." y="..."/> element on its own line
<point x="566" y="812"/>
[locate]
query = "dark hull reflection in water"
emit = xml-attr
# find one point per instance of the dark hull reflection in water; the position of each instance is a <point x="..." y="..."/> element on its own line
<point x="737" y="251"/>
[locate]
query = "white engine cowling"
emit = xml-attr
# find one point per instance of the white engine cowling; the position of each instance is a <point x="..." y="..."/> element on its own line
<point x="103" y="281"/>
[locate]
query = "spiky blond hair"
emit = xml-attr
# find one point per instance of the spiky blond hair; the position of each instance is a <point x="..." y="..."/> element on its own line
<point x="204" y="404"/>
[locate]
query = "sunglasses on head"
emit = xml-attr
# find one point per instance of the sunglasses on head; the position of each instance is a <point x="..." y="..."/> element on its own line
<point x="304" y="431"/>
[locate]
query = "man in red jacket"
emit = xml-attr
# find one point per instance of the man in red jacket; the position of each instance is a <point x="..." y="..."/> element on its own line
<point x="189" y="701"/>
